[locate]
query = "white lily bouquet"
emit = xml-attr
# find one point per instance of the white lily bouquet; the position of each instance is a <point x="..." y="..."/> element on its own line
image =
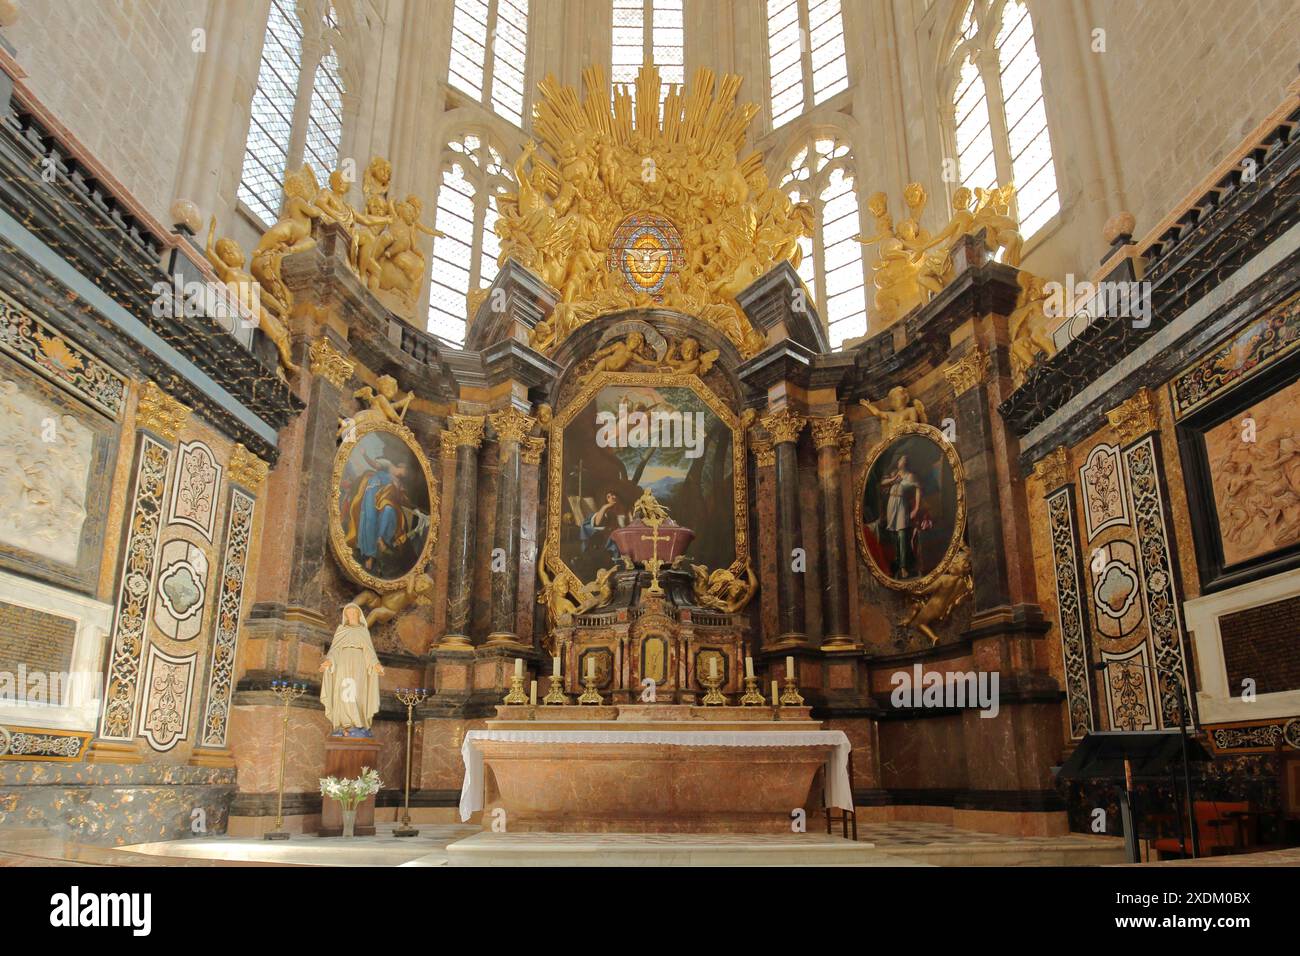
<point x="351" y="792"/>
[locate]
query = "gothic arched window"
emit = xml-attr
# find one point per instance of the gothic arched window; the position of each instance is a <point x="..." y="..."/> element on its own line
<point x="297" y="108"/>
<point x="648" y="31"/>
<point x="489" y="51"/>
<point x="999" y="121"/>
<point x="805" y="46"/>
<point x="821" y="174"/>
<point x="465" y="257"/>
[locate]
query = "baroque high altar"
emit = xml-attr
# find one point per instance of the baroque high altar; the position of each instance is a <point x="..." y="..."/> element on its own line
<point x="646" y="495"/>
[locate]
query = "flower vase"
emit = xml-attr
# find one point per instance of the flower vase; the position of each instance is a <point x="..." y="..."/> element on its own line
<point x="349" y="822"/>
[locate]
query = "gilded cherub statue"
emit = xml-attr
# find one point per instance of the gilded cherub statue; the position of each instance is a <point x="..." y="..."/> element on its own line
<point x="685" y="357"/>
<point x="897" y="410"/>
<point x="618" y="355"/>
<point x="1027" y="327"/>
<point x="290" y="234"/>
<point x="227" y="261"/>
<point x="382" y="405"/>
<point x="993" y="215"/>
<point x="386" y="606"/>
<point x="397" y="252"/>
<point x="906" y="272"/>
<point x="723" y="589"/>
<point x="332" y="201"/>
<point x="942" y="597"/>
<point x="557" y="593"/>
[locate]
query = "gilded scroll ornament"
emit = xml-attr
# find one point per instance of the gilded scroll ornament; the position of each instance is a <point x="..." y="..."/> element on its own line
<point x="896" y="410"/>
<point x="579" y="219"/>
<point x="246" y="469"/>
<point x="783" y="426"/>
<point x="968" y="371"/>
<point x="327" y="362"/>
<point x="160" y="413"/>
<point x="1134" y="418"/>
<point x="1054" y="470"/>
<point x="826" y="431"/>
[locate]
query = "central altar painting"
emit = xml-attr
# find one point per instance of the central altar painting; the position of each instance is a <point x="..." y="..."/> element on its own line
<point x="628" y="433"/>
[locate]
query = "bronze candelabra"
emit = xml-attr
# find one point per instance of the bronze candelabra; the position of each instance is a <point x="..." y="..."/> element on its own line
<point x="286" y="692"/>
<point x="412" y="698"/>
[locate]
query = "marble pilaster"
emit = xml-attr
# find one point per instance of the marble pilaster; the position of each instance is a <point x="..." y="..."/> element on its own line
<point x="460" y="441"/>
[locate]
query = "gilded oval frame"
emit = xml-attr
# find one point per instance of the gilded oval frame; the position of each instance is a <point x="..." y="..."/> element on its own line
<point x="555" y="479"/>
<point x="342" y="553"/>
<point x="949" y="452"/>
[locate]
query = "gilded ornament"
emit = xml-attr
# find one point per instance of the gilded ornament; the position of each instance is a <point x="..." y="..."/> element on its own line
<point x="160" y="413"/>
<point x="826" y="431"/>
<point x="290" y="234"/>
<point x="579" y="218"/>
<point x="724" y="589"/>
<point x="246" y="469"/>
<point x="1134" y="418"/>
<point x="968" y="371"/>
<point x="465" y="430"/>
<point x="384" y="606"/>
<point x="382" y="405"/>
<point x="783" y="426"/>
<point x="942" y="595"/>
<point x="532" y="450"/>
<point x="511" y="425"/>
<point x="327" y="362"/>
<point x="1027" y="327"/>
<point x="764" y="451"/>
<point x="227" y="261"/>
<point x="896" y="410"/>
<point x="906" y="273"/>
<point x="1054" y="470"/>
<point x="846" y="447"/>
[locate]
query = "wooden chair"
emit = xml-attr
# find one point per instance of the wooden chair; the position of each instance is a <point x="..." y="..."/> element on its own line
<point x="847" y="818"/>
<point x="1223" y="827"/>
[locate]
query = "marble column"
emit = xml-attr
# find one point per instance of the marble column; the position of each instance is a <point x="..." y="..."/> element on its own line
<point x="511" y="427"/>
<point x="461" y="440"/>
<point x="835" y="593"/>
<point x="784" y="427"/>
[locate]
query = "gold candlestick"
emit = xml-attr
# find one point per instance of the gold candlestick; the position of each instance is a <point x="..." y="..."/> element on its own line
<point x="411" y="698"/>
<point x="590" y="695"/>
<point x="556" y="694"/>
<point x="713" y="698"/>
<point x="753" y="697"/>
<point x="516" y="695"/>
<point x="287" y="693"/>
<point x="790" y="696"/>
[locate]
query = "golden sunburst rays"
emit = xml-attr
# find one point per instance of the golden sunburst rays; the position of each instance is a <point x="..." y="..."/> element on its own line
<point x="708" y="125"/>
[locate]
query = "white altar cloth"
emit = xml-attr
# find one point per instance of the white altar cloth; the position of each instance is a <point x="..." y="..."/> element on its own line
<point x="839" y="787"/>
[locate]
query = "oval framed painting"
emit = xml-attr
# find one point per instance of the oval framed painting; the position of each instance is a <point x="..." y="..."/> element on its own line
<point x="910" y="507"/>
<point x="383" y="506"/>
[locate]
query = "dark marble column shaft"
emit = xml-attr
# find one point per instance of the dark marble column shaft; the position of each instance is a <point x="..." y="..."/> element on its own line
<point x="835" y="593"/>
<point x="464" y="434"/>
<point x="785" y="427"/>
<point x="511" y="426"/>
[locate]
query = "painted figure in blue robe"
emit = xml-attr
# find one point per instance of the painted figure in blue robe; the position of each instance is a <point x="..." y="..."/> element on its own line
<point x="377" y="520"/>
<point x="602" y="521"/>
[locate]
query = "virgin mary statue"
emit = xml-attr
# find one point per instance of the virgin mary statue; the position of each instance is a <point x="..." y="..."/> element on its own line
<point x="349" y="686"/>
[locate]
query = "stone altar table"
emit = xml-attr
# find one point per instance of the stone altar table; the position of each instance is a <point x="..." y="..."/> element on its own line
<point x="651" y="769"/>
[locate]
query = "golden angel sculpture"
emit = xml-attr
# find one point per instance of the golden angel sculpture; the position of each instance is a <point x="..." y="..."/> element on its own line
<point x="595" y="170"/>
<point x="227" y="260"/>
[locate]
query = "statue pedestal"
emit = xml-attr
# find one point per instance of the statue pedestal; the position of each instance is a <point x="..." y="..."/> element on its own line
<point x="345" y="757"/>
